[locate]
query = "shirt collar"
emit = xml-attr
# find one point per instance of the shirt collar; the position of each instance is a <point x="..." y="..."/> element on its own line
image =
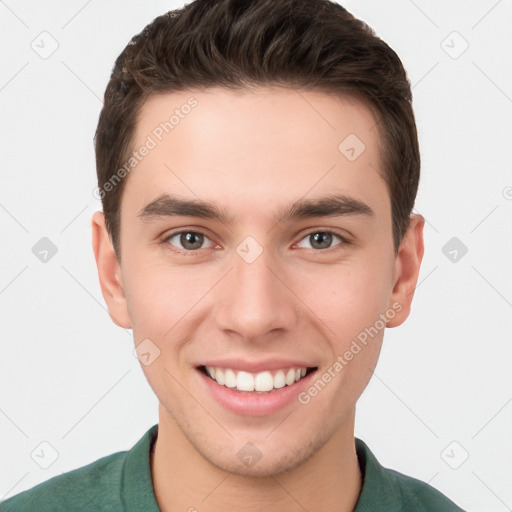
<point x="379" y="488"/>
<point x="138" y="493"/>
<point x="137" y="485"/>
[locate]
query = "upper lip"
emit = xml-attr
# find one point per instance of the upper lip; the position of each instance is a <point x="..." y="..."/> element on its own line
<point x="257" y="366"/>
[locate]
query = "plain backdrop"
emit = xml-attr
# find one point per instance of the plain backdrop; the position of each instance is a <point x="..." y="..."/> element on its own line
<point x="439" y="406"/>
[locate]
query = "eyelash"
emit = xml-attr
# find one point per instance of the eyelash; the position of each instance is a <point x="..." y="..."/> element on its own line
<point x="166" y="239"/>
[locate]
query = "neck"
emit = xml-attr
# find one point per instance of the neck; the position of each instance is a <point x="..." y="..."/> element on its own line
<point x="330" y="480"/>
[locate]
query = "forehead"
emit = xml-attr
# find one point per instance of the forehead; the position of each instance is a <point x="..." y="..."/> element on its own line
<point x="265" y="143"/>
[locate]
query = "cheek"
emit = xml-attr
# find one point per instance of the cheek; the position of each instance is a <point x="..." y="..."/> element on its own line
<point x="164" y="300"/>
<point x="348" y="298"/>
<point x="161" y="306"/>
<point x="349" y="302"/>
<point x="153" y="297"/>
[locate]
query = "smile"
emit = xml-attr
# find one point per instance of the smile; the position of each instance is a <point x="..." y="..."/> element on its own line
<point x="261" y="382"/>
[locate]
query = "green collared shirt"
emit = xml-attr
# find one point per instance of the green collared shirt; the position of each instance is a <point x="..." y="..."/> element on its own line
<point x="122" y="482"/>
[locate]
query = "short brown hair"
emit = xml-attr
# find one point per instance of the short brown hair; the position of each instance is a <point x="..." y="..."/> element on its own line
<point x="236" y="44"/>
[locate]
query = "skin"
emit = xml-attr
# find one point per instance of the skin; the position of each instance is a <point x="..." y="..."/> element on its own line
<point x="252" y="154"/>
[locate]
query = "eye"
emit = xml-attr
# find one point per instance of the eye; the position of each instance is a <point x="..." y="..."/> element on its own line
<point x="321" y="239"/>
<point x="192" y="241"/>
<point x="189" y="241"/>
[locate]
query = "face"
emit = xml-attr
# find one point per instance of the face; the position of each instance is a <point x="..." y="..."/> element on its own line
<point x="257" y="253"/>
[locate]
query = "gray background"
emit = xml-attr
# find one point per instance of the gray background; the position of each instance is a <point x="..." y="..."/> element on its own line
<point x="439" y="406"/>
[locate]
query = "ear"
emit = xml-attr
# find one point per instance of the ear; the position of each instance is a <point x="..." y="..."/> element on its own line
<point x="109" y="272"/>
<point x="407" y="269"/>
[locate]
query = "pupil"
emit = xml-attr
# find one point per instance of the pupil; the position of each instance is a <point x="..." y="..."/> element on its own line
<point x="321" y="240"/>
<point x="187" y="239"/>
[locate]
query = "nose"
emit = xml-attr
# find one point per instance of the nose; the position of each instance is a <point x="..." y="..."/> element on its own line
<point x="255" y="300"/>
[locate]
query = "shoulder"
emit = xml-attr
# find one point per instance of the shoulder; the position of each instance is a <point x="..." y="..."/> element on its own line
<point x="95" y="486"/>
<point x="420" y="496"/>
<point x="387" y="489"/>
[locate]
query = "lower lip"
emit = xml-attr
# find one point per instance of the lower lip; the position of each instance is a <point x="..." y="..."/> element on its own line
<point x="253" y="404"/>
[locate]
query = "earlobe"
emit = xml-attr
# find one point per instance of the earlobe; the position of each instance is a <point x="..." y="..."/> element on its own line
<point x="109" y="272"/>
<point x="407" y="269"/>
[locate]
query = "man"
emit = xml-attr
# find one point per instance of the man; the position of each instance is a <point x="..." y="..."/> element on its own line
<point x="258" y="164"/>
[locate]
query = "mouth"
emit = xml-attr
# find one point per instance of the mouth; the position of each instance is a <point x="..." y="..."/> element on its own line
<point x="256" y="383"/>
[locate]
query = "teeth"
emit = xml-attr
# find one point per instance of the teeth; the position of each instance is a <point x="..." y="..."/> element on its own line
<point x="279" y="380"/>
<point x="219" y="376"/>
<point x="290" y="377"/>
<point x="244" y="381"/>
<point x="259" y="382"/>
<point x="230" y="379"/>
<point x="263" y="381"/>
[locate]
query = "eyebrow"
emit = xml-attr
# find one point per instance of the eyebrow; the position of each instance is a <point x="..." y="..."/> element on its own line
<point x="329" y="206"/>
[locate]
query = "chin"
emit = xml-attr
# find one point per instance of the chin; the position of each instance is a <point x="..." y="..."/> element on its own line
<point x="271" y="460"/>
<point x="262" y="468"/>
